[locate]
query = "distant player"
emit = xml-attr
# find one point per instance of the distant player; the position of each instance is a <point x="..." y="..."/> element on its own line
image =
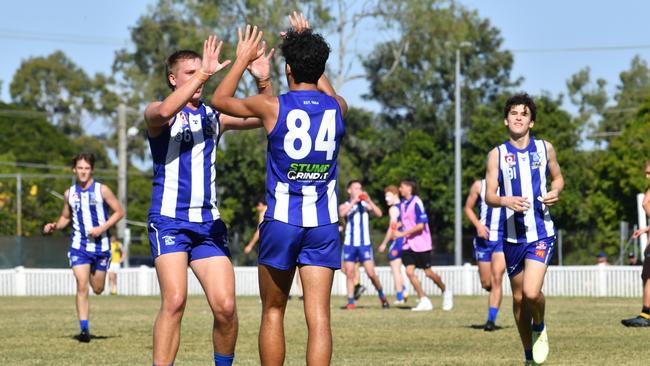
<point x="184" y="223"/>
<point x="395" y="247"/>
<point x="117" y="257"/>
<point x="357" y="247"/>
<point x="87" y="205"/>
<point x="518" y="172"/>
<point x="488" y="248"/>
<point x="643" y="319"/>
<point x="304" y="129"/>
<point x="417" y="247"/>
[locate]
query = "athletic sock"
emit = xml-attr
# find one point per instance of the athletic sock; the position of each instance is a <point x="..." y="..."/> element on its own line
<point x="380" y="292"/>
<point x="223" y="360"/>
<point x="645" y="313"/>
<point x="400" y="295"/>
<point x="83" y="324"/>
<point x="492" y="314"/>
<point x="538" y="327"/>
<point x="350" y="300"/>
<point x="528" y="353"/>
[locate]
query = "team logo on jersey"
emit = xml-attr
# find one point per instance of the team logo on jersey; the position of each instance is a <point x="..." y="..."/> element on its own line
<point x="92" y="198"/>
<point x="535" y="159"/>
<point x="169" y="239"/>
<point x="307" y="171"/>
<point x="182" y="116"/>
<point x="510" y="159"/>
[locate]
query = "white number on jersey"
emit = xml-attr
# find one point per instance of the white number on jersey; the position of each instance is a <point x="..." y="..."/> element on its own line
<point x="325" y="138"/>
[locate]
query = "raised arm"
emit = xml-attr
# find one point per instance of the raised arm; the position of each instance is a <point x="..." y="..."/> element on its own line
<point x="263" y="106"/>
<point x="159" y="114"/>
<point x="62" y="221"/>
<point x="116" y="216"/>
<point x="473" y="196"/>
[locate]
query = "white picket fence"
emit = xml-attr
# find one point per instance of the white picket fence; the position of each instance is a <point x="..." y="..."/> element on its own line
<point x="621" y="281"/>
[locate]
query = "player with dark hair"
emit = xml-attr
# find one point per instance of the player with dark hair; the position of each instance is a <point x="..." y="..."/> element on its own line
<point x="304" y="130"/>
<point x="518" y="172"/>
<point x="87" y="204"/>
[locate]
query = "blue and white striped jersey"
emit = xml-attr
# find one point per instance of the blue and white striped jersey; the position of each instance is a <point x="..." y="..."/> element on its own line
<point x="357" y="230"/>
<point x="184" y="156"/>
<point x="491" y="217"/>
<point x="301" y="169"/>
<point x="88" y="210"/>
<point x="524" y="173"/>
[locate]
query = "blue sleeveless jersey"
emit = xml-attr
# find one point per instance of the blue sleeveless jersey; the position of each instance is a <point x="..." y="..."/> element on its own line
<point x="184" y="172"/>
<point x="88" y="210"/>
<point x="524" y="173"/>
<point x="492" y="217"/>
<point x="357" y="228"/>
<point x="301" y="156"/>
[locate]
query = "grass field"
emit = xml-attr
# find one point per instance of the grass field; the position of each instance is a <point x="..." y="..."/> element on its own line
<point x="582" y="331"/>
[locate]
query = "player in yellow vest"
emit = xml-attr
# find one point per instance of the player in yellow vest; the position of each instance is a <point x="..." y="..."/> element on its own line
<point x="117" y="257"/>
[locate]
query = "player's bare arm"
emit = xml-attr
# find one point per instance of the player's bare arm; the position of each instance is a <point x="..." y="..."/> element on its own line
<point x="63" y="220"/>
<point x="515" y="203"/>
<point x="557" y="180"/>
<point x="473" y="196"/>
<point x="393" y="214"/>
<point x="646" y="202"/>
<point x="412" y="231"/>
<point x="372" y="206"/>
<point x="159" y="114"/>
<point x="117" y="214"/>
<point x="263" y="106"/>
<point x="344" y="208"/>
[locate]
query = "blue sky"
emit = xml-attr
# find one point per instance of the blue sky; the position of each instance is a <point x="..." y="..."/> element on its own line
<point x="90" y="31"/>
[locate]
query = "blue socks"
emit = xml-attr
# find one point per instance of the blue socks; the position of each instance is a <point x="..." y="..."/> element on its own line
<point x="350" y="300"/>
<point x="538" y="327"/>
<point x="400" y="295"/>
<point x="492" y="314"/>
<point x="381" y="294"/>
<point x="528" y="353"/>
<point x="83" y="324"/>
<point x="223" y="360"/>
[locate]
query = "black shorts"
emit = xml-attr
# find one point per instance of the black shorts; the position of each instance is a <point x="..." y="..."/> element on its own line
<point x="421" y="260"/>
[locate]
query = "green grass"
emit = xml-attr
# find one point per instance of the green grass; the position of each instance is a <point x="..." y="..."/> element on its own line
<point x="582" y="331"/>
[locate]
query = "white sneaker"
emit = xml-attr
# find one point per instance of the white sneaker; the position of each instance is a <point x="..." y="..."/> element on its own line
<point x="423" y="305"/>
<point x="447" y="300"/>
<point x="540" y="346"/>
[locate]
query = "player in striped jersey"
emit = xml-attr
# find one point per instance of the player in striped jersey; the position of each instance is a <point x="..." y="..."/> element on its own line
<point x="87" y="204"/>
<point x="391" y="194"/>
<point x="184" y="222"/>
<point x="488" y="247"/>
<point x="304" y="129"/>
<point x="357" y="247"/>
<point x="518" y="172"/>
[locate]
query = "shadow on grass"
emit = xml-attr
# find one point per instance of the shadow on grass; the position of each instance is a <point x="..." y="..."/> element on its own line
<point x="481" y="326"/>
<point x="93" y="337"/>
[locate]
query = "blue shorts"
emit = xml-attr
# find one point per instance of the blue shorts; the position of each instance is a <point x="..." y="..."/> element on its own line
<point x="98" y="261"/>
<point x="395" y="249"/>
<point x="357" y="254"/>
<point x="516" y="254"/>
<point x="284" y="246"/>
<point x="198" y="239"/>
<point x="483" y="249"/>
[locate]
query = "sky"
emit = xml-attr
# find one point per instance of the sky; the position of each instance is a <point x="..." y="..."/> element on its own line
<point x="90" y="32"/>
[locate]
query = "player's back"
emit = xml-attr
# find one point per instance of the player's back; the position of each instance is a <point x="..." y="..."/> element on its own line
<point x="301" y="160"/>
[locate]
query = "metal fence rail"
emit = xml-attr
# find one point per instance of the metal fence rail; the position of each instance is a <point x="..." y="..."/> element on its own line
<point x="592" y="281"/>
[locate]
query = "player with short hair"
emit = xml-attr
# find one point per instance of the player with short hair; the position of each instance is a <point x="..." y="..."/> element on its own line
<point x="643" y="319"/>
<point x="518" y="172"/>
<point x="357" y="247"/>
<point x="185" y="227"/>
<point x="488" y="248"/>
<point x="87" y="204"/>
<point x="417" y="247"/>
<point x="391" y="195"/>
<point x="304" y="129"/>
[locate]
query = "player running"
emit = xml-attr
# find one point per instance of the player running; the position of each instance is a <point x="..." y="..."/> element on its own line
<point x="488" y="248"/>
<point x="518" y="172"/>
<point x="87" y="204"/>
<point x="391" y="195"/>
<point x="304" y="129"/>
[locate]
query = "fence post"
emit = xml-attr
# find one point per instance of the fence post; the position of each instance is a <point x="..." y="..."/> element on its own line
<point x="20" y="281"/>
<point x="467" y="279"/>
<point x="602" y="280"/>
<point x="143" y="281"/>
